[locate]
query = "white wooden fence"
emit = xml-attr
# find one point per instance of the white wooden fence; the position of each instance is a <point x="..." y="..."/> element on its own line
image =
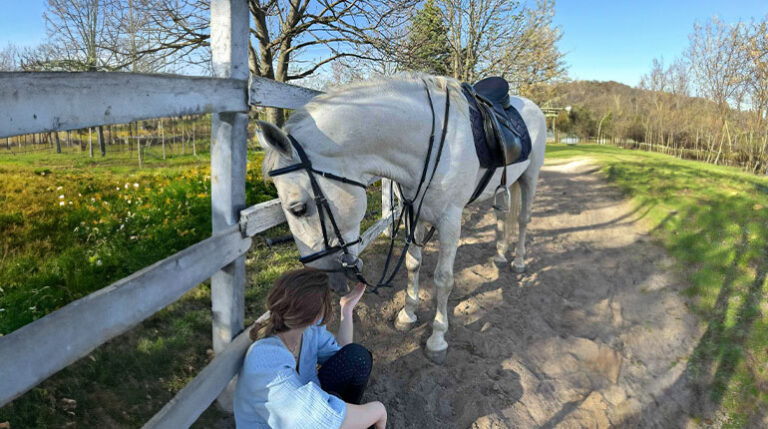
<point x="41" y="102"/>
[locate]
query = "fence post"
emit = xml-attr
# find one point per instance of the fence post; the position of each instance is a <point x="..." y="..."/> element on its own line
<point x="138" y="150"/>
<point x="386" y="203"/>
<point x="229" y="49"/>
<point x="162" y="136"/>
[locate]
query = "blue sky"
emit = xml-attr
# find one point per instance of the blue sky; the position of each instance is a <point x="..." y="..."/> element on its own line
<point x="603" y="39"/>
<point x="618" y="39"/>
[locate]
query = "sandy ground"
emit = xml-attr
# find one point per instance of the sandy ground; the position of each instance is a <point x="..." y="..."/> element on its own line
<point x="595" y="334"/>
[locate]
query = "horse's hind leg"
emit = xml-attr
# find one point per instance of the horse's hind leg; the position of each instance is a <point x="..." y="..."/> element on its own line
<point x="504" y="221"/>
<point x="528" y="191"/>
<point x="449" y="230"/>
<point x="406" y="318"/>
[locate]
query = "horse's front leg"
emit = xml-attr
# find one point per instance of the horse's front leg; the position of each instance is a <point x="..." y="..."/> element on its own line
<point x="450" y="231"/>
<point x="406" y="318"/>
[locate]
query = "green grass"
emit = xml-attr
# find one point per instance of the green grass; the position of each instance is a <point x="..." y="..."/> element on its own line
<point x="54" y="254"/>
<point x="714" y="221"/>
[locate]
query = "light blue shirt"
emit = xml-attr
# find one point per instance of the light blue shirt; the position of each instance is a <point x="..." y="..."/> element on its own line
<point x="271" y="393"/>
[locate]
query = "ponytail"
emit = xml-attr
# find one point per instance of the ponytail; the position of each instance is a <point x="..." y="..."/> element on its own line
<point x="296" y="300"/>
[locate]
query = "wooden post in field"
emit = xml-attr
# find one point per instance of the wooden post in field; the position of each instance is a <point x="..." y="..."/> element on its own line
<point x="58" y="142"/>
<point x="90" y="142"/>
<point x="138" y="150"/>
<point x="194" y="141"/>
<point x="102" y="143"/>
<point x="162" y="136"/>
<point x="229" y="54"/>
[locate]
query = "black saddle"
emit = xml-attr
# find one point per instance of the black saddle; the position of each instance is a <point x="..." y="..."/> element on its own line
<point x="501" y="136"/>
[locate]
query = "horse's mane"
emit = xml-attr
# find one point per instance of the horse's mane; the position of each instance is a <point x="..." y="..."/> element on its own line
<point x="399" y="82"/>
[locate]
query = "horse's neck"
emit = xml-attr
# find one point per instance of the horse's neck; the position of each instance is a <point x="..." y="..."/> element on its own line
<point x="392" y="147"/>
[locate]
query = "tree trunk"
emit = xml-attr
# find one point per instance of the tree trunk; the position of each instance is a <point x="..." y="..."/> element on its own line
<point x="90" y="142"/>
<point x="58" y="142"/>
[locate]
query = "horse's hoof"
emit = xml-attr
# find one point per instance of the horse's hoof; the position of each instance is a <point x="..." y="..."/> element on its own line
<point x="403" y="322"/>
<point x="404" y="326"/>
<point x="437" y="357"/>
<point x="499" y="259"/>
<point x="519" y="269"/>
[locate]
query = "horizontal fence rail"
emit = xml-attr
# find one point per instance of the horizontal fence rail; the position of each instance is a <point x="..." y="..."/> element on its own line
<point x="195" y="397"/>
<point x="49" y="344"/>
<point x="185" y="408"/>
<point x="270" y="93"/>
<point x="42" y="102"/>
<point x="261" y="217"/>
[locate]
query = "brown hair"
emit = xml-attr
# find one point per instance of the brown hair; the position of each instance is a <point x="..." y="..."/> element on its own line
<point x="296" y="300"/>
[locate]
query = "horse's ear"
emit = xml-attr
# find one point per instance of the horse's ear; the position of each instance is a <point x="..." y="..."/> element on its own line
<point x="273" y="137"/>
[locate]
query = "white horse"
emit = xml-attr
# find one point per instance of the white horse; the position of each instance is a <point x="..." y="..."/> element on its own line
<point x="381" y="128"/>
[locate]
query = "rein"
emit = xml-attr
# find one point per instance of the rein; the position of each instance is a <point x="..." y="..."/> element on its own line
<point x="351" y="264"/>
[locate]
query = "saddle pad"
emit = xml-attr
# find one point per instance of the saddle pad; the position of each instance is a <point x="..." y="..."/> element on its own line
<point x="488" y="159"/>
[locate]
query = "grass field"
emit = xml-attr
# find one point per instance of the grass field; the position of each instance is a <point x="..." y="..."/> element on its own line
<point x="714" y="221"/>
<point x="711" y="219"/>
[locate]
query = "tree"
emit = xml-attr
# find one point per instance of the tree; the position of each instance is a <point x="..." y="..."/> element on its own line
<point x="79" y="32"/>
<point x="290" y="39"/>
<point x="427" y="49"/>
<point x="504" y="38"/>
<point x="718" y="62"/>
<point x="9" y="58"/>
<point x="285" y="30"/>
<point x="757" y="75"/>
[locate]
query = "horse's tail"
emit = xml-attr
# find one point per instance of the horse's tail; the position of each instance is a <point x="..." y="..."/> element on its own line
<point x="515" y="204"/>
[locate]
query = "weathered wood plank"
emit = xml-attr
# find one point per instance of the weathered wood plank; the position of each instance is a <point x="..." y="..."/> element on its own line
<point x="35" y="351"/>
<point x="198" y="394"/>
<point x="260" y="217"/>
<point x="270" y="93"/>
<point x="374" y="231"/>
<point x="184" y="409"/>
<point x="40" y="102"/>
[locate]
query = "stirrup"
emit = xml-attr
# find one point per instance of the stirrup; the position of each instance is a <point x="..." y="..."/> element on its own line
<point x="502" y="199"/>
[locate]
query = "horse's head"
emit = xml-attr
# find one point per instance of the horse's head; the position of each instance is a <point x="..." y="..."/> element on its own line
<point x="318" y="213"/>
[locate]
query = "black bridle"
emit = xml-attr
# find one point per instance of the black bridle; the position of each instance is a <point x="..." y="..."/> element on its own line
<point x="350" y="263"/>
<point x="323" y="207"/>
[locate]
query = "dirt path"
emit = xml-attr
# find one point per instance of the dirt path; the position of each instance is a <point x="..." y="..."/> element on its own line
<point x="595" y="334"/>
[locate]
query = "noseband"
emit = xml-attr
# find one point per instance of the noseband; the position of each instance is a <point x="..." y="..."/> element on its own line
<point x="350" y="263"/>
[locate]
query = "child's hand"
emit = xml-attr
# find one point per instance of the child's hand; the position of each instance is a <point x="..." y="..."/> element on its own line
<point x="350" y="300"/>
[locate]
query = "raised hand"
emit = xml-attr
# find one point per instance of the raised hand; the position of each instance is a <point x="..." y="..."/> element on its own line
<point x="350" y="300"/>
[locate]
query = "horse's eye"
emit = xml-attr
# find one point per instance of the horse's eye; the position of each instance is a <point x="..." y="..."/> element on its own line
<point x="298" y="209"/>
